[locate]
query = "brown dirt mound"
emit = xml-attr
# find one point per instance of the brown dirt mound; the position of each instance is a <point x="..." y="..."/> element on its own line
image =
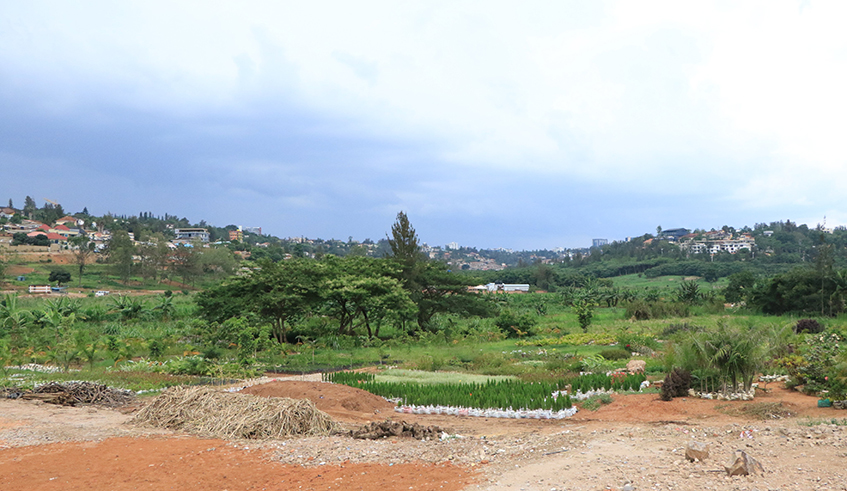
<point x="339" y="401"/>
<point x="140" y="463"/>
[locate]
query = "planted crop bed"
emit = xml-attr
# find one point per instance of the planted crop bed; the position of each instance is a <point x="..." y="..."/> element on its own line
<point x="500" y="395"/>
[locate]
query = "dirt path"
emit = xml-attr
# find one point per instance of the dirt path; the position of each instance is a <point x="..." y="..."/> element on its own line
<point x="637" y="439"/>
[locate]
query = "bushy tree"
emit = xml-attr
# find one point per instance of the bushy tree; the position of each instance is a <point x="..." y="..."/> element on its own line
<point x="514" y="325"/>
<point x="739" y="286"/>
<point x="59" y="276"/>
<point x="120" y="251"/>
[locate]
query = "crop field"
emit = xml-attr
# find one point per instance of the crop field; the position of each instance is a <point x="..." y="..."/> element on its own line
<point x="149" y="343"/>
<point x="555" y="384"/>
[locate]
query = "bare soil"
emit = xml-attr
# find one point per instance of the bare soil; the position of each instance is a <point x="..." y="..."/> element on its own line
<point x="636" y="439"/>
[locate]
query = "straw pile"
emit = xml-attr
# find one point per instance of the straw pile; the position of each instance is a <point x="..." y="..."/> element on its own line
<point x="209" y="412"/>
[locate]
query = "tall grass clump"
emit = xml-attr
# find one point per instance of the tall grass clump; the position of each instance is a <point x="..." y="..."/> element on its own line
<point x="725" y="358"/>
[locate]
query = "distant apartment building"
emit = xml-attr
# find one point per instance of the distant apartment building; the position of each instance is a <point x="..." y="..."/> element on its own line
<point x="599" y="242"/>
<point x="453" y="246"/>
<point x="191" y="234"/>
<point x="236" y="235"/>
<point x="712" y="246"/>
<point x="252" y="230"/>
<point x="673" y="234"/>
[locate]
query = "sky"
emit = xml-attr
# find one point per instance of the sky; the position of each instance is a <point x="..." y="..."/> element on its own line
<point x="525" y="125"/>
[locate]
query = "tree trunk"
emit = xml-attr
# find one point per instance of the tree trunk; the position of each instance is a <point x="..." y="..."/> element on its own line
<point x="367" y="322"/>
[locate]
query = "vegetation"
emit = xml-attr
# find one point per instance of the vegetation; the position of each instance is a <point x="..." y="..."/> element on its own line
<point x="310" y="308"/>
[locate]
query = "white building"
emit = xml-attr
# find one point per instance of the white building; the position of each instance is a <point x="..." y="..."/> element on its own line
<point x="190" y="234"/>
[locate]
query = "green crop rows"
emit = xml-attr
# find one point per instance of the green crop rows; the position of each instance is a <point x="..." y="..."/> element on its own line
<point x="501" y="394"/>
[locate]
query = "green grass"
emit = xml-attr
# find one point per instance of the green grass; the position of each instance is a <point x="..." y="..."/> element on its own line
<point x="420" y="377"/>
<point x="97" y="276"/>
<point x="663" y="282"/>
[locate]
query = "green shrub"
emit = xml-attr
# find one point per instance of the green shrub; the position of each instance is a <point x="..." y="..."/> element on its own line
<point x="429" y="363"/>
<point x="615" y="354"/>
<point x="637" y="342"/>
<point x="565" y="363"/>
<point x="645" y="310"/>
<point x="810" y="326"/>
<point x="513" y="325"/>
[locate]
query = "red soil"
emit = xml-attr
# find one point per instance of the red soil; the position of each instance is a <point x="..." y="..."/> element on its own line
<point x="339" y="401"/>
<point x="119" y="464"/>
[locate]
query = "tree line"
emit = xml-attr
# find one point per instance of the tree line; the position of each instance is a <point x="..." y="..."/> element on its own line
<point x="351" y="295"/>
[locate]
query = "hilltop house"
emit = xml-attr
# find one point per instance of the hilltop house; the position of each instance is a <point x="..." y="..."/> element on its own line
<point x="190" y="234"/>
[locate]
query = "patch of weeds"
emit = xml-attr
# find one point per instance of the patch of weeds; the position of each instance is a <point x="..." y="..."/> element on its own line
<point x="756" y="410"/>
<point x="594" y="403"/>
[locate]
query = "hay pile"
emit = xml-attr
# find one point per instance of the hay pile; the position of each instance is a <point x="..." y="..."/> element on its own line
<point x="209" y="412"/>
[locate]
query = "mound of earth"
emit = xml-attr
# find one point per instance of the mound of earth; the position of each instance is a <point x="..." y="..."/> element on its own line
<point x="341" y="402"/>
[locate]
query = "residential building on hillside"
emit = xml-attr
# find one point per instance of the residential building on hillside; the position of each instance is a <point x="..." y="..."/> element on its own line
<point x="599" y="242"/>
<point x="507" y="287"/>
<point x="189" y="234"/>
<point x="52" y="237"/>
<point x="252" y="230"/>
<point x="672" y="234"/>
<point x="236" y="235"/>
<point x="699" y="246"/>
<point x="66" y="220"/>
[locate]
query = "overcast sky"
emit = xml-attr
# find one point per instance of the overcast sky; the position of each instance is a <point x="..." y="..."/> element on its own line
<point x="492" y="124"/>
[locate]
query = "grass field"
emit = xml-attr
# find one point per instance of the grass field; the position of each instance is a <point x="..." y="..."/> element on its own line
<point x="639" y="281"/>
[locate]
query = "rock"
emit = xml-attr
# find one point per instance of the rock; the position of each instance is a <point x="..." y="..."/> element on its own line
<point x="636" y="366"/>
<point x="696" y="451"/>
<point x="743" y="465"/>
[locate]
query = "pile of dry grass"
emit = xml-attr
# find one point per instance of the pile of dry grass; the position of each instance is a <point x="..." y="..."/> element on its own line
<point x="208" y="412"/>
<point x="757" y="410"/>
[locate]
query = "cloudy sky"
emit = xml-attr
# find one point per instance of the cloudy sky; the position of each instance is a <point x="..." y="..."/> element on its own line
<point x="492" y="124"/>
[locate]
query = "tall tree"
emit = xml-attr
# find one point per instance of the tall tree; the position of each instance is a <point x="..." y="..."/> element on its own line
<point x="120" y="250"/>
<point x="431" y="286"/>
<point x="362" y="289"/>
<point x="405" y="247"/>
<point x="185" y="262"/>
<point x="438" y="290"/>
<point x="84" y="248"/>
<point x="29" y="207"/>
